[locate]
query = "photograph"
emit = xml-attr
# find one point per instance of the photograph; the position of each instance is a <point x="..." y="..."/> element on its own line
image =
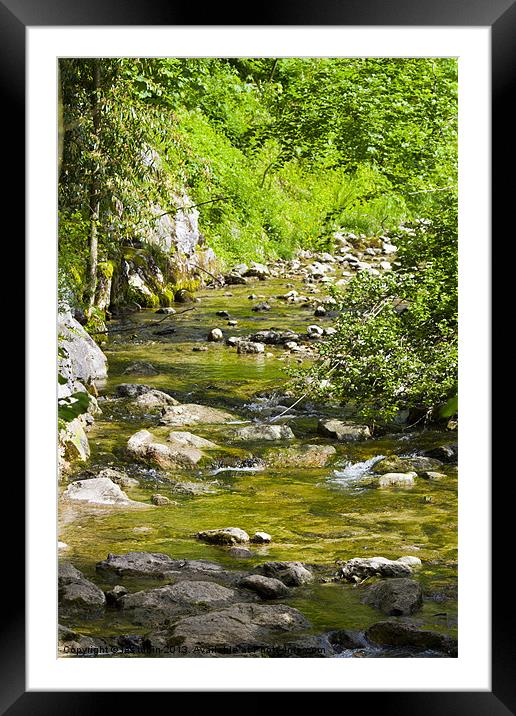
<point x="257" y="357"/>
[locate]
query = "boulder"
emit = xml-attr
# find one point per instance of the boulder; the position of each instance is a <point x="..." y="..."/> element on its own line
<point x="215" y="335"/>
<point x="414" y="562"/>
<point x="239" y="627"/>
<point x="343" y="432"/>
<point x="233" y="279"/>
<point x="114" y="594"/>
<point x="73" y="441"/>
<point x="288" y="296"/>
<point x="141" y="368"/>
<point x="315" y="331"/>
<point x="249" y="347"/>
<point x="394" y="633"/>
<point x="99" y="491"/>
<point x="395" y="597"/>
<point x="240" y="269"/>
<point x="183" y="296"/>
<point x="257" y="270"/>
<point x="266" y="587"/>
<point x="72" y="643"/>
<point x="444" y="453"/>
<point x="432" y="475"/>
<point x="342" y="639"/>
<point x="83" y="361"/>
<point x="263" y="306"/>
<point x="191" y="488"/>
<point x="142" y="446"/>
<point x="160" y="500"/>
<point x="397" y="479"/>
<point x="360" y="568"/>
<point x="393" y="463"/>
<point x="77" y="595"/>
<point x="155" y="565"/>
<point x="264" y="432"/>
<point x="300" y="457"/>
<point x="225" y="535"/>
<point x="138" y="441"/>
<point x="161" y="605"/>
<point x="261" y="538"/>
<point x="153" y="400"/>
<point x="66" y="573"/>
<point x="139" y="280"/>
<point x="118" y="477"/>
<point x="240" y="552"/>
<point x="271" y="337"/>
<point x="293" y="574"/>
<point x="189" y="440"/>
<point x="192" y="414"/>
<point x="131" y="390"/>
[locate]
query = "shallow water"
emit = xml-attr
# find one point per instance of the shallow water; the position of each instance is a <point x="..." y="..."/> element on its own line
<point x="317" y="516"/>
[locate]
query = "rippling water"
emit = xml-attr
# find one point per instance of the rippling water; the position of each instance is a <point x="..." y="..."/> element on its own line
<point x="355" y="471"/>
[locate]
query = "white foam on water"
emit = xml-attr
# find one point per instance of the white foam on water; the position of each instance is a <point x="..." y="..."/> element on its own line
<point x="236" y="469"/>
<point x="354" y="471"/>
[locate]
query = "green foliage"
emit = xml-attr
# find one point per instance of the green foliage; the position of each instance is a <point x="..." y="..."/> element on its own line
<point x="285" y="151"/>
<point x="278" y="153"/>
<point x="450" y="408"/>
<point x="72" y="237"/>
<point x="72" y="406"/>
<point x="109" y="160"/>
<point x="396" y="342"/>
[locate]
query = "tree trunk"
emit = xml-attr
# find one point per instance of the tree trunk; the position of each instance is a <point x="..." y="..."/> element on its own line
<point x="94" y="198"/>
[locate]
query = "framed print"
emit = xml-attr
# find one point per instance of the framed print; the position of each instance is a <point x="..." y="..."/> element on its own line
<point x="258" y="263"/>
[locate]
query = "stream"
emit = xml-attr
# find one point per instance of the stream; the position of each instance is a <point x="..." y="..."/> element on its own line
<point x="320" y="516"/>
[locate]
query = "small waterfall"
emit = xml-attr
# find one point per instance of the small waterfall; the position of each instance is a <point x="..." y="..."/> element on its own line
<point x="354" y="471"/>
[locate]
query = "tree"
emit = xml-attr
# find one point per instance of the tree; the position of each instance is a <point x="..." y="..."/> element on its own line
<point x="111" y="175"/>
<point x="396" y="342"/>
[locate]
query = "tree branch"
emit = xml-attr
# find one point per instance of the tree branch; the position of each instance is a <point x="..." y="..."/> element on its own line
<point x="141" y="328"/>
<point x="187" y="208"/>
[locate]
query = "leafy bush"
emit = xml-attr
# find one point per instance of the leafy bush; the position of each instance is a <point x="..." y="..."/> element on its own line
<point x="277" y="152"/>
<point x="396" y="343"/>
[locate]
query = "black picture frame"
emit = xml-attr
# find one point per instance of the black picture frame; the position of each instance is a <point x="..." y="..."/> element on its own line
<point x="500" y="16"/>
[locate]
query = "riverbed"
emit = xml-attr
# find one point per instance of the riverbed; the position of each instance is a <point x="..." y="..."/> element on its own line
<point x="319" y="516"/>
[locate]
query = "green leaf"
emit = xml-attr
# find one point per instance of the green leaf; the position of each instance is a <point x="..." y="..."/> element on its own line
<point x="73" y="405"/>
<point x="451" y="407"/>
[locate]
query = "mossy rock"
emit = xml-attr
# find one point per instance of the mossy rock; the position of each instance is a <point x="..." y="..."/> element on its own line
<point x="166" y="297"/>
<point x="301" y="457"/>
<point x="183" y="295"/>
<point x="144" y="300"/>
<point x="395" y="464"/>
